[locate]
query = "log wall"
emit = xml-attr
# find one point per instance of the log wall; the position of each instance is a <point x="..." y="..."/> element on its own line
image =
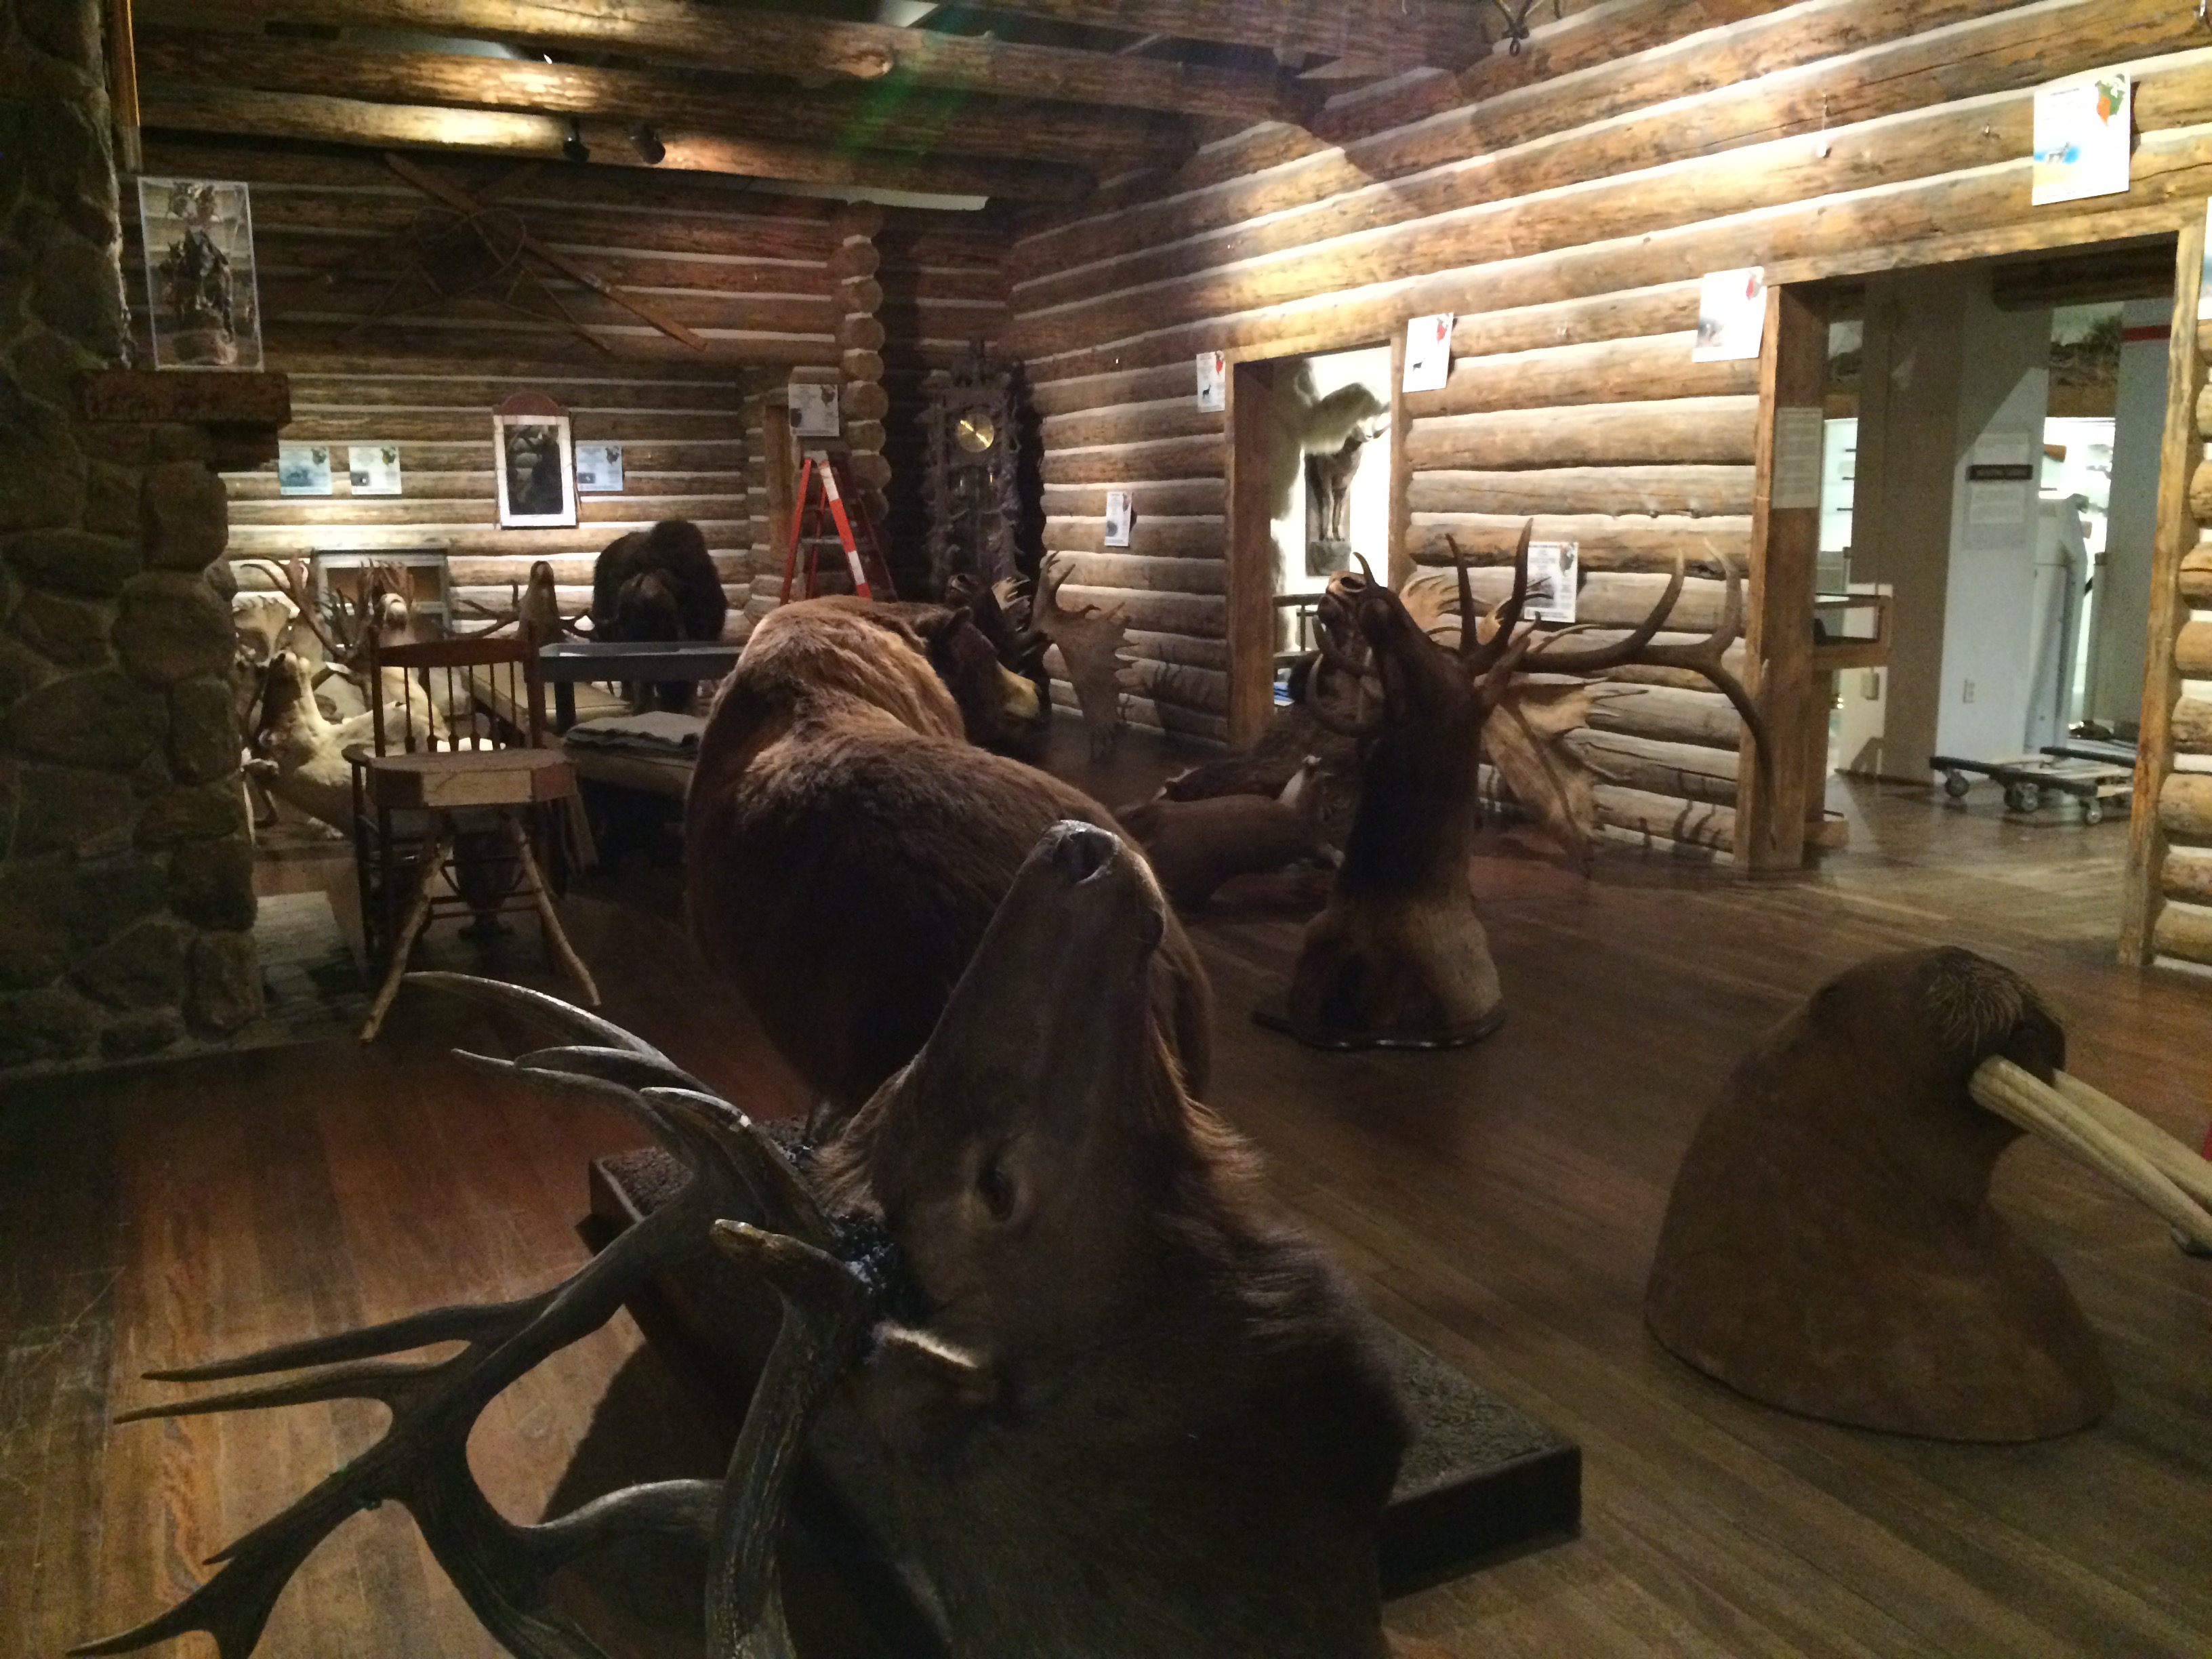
<point x="1565" y="203"/>
<point x="754" y="276"/>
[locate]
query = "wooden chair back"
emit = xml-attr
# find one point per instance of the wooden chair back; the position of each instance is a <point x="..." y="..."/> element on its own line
<point x="442" y="675"/>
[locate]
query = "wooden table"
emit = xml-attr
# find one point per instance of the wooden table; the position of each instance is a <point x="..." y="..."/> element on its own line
<point x="567" y="663"/>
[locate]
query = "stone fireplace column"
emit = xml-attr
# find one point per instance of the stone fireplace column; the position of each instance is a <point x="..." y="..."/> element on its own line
<point x="126" y="878"/>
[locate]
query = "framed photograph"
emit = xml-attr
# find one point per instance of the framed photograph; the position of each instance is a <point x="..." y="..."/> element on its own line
<point x="1731" y="316"/>
<point x="373" y="469"/>
<point x="599" y="469"/>
<point x="303" y="469"/>
<point x="1428" y="352"/>
<point x="814" y="412"/>
<point x="203" y="302"/>
<point x="534" y="464"/>
<point x="1212" y="382"/>
<point x="1119" y="516"/>
<point x="2083" y="132"/>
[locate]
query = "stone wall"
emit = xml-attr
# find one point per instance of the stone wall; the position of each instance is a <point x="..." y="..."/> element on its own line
<point x="126" y="897"/>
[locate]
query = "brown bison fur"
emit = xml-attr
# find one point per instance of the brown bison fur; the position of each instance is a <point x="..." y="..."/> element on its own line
<point x="845" y="848"/>
<point x="689" y="594"/>
<point x="1195" y="846"/>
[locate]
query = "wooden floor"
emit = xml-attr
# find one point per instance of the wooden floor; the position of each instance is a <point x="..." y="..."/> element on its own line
<point x="1500" y="1204"/>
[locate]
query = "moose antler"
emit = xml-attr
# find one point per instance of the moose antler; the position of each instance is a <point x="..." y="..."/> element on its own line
<point x="501" y="1570"/>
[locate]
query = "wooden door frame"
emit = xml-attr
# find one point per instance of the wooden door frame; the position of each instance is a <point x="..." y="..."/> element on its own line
<point x="1248" y="531"/>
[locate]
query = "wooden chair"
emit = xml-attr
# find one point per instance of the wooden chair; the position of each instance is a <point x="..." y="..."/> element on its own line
<point x="447" y="792"/>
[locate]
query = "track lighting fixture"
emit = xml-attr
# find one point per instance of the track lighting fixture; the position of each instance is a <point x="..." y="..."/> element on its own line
<point x="646" y="142"/>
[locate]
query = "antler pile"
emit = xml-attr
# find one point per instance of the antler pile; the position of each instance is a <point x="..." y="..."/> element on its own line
<point x="827" y="1275"/>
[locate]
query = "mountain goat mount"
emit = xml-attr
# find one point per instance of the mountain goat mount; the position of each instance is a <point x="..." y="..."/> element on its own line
<point x="1399" y="958"/>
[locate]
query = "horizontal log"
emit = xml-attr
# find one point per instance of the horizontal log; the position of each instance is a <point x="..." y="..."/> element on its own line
<point x="1399" y="34"/>
<point x="297" y="541"/>
<point x="1141" y="386"/>
<point x="2186" y="875"/>
<point x="446" y="339"/>
<point x="1669" y="715"/>
<point x="1607" y="372"/>
<point x="573" y="569"/>
<point x="1152" y="575"/>
<point x="2192" y="725"/>
<point x="1180" y="539"/>
<point x="340" y="512"/>
<point x="402" y="389"/>
<point x="1178" y="498"/>
<point x="2184" y="806"/>
<point x="1204" y="457"/>
<point x="1687" y="770"/>
<point x="497" y="599"/>
<point x="460" y="425"/>
<point x="787" y="45"/>
<point x="1710" y="431"/>
<point x="2192" y="650"/>
<point x="1610" y="598"/>
<point x="1669" y="308"/>
<point x="2183" y="930"/>
<point x="1170" y="417"/>
<point x="2196" y="577"/>
<point x="1170" y="717"/>
<point x="1666" y="818"/>
<point x="1606" y="542"/>
<point x="719" y="456"/>
<point x="1179" y="647"/>
<point x="200" y="106"/>
<point x="1198" y="615"/>
<point x="1699" y="491"/>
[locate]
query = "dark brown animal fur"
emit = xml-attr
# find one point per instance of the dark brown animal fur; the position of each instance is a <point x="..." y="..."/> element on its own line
<point x="658" y="584"/>
<point x="1195" y="846"/>
<point x="845" y="847"/>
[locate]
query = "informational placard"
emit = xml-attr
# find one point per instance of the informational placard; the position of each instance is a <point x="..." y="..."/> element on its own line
<point x="1213" y="381"/>
<point x="599" y="469"/>
<point x="2082" y="133"/>
<point x="373" y="469"/>
<point x="2000" y="479"/>
<point x="1800" y="444"/>
<point x="1428" y="352"/>
<point x="813" y="409"/>
<point x="1554" y="572"/>
<point x="303" y="469"/>
<point x="1731" y="316"/>
<point x="1119" y="516"/>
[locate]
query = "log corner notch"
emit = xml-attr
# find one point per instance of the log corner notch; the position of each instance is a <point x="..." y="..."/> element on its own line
<point x="1773" y="804"/>
<point x="855" y="261"/>
<point x="2165" y="905"/>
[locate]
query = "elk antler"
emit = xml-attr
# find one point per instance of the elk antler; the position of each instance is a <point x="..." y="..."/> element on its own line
<point x="501" y="1570"/>
<point x="1478" y="656"/>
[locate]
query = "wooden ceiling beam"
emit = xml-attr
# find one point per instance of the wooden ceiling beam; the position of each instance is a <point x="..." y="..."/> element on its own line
<point x="184" y="107"/>
<point x="812" y="51"/>
<point x="1446" y="34"/>
<point x="932" y="123"/>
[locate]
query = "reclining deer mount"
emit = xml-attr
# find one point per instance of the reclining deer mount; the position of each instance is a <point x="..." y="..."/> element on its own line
<point x="1399" y="957"/>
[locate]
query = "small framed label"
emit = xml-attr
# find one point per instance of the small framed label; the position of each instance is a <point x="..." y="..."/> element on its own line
<point x="814" y="412"/>
<point x="2082" y="133"/>
<point x="1554" y="574"/>
<point x="599" y="469"/>
<point x="1428" y="352"/>
<point x="303" y="469"/>
<point x="1119" y="516"/>
<point x="1213" y="381"/>
<point x="373" y="469"/>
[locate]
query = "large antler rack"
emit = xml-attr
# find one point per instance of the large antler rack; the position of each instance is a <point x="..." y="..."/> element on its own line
<point x="503" y="1570"/>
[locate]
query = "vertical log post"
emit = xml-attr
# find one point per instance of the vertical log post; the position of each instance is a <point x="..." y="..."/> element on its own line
<point x="2180" y="451"/>
<point x="859" y="296"/>
<point x="1401" y="565"/>
<point x="1770" y="830"/>
<point x="1251" y="555"/>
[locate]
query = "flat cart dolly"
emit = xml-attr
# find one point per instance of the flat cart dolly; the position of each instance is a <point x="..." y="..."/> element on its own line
<point x="2028" y="779"/>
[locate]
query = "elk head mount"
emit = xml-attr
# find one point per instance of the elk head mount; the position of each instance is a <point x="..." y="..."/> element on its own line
<point x="1117" y="1407"/>
<point x="1399" y="957"/>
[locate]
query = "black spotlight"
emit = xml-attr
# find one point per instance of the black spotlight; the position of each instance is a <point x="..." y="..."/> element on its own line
<point x="573" y="146"/>
<point x="646" y="142"/>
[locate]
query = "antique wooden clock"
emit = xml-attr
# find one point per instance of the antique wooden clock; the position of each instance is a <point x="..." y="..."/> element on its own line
<point x="978" y="493"/>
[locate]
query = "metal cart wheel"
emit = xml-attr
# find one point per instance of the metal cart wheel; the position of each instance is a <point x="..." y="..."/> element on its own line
<point x="2093" y="811"/>
<point x="1956" y="784"/>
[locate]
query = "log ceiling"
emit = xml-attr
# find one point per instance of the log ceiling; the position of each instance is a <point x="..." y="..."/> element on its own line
<point x="1019" y="100"/>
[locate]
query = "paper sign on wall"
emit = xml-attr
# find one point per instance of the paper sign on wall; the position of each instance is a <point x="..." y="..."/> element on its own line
<point x="373" y="469"/>
<point x="303" y="469"/>
<point x="1800" y="456"/>
<point x="813" y="409"/>
<point x="1428" y="352"/>
<point x="1119" y="515"/>
<point x="2082" y="131"/>
<point x="1554" y="571"/>
<point x="1213" y="381"/>
<point x="599" y="469"/>
<point x="1731" y="316"/>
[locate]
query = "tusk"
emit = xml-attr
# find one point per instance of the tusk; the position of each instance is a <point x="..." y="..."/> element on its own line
<point x="2137" y="1156"/>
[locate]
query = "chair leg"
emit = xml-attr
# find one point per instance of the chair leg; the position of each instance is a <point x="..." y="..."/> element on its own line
<point x="556" y="938"/>
<point x="403" y="946"/>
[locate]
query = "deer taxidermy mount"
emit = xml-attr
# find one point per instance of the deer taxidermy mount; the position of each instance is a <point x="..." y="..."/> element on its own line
<point x="1399" y="957"/>
<point x="1091" y="641"/>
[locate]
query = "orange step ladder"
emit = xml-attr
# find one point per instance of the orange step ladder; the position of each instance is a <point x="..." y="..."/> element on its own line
<point x="825" y="491"/>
